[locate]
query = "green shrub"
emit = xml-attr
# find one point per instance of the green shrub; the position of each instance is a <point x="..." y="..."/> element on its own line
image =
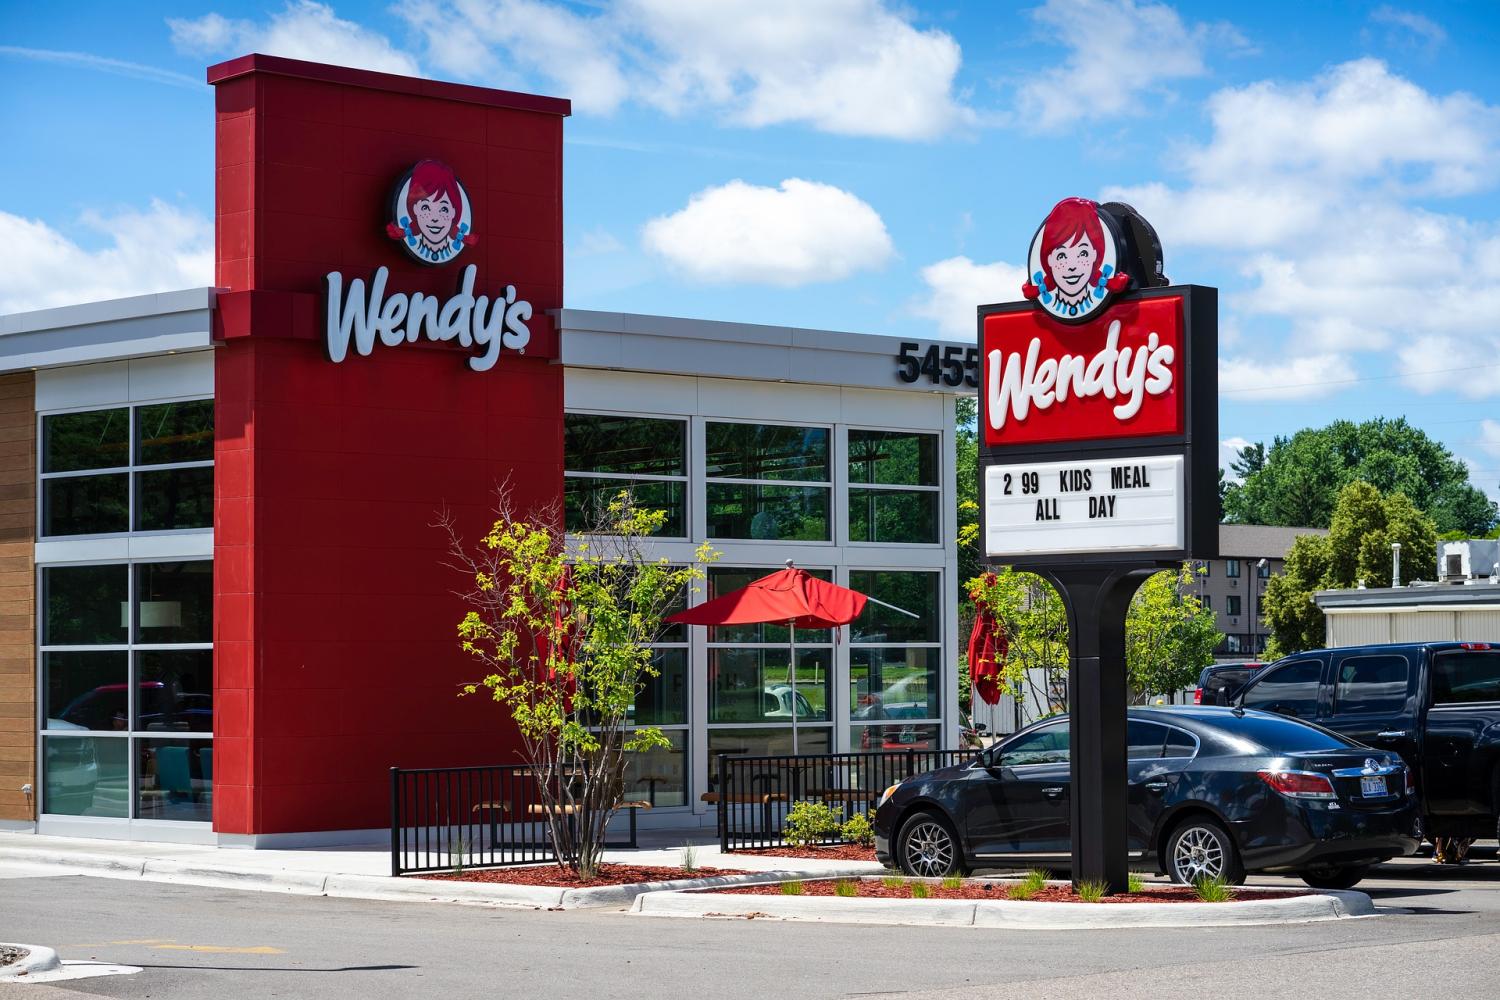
<point x="953" y="882"/>
<point x="920" y="890"/>
<point x="846" y="887"/>
<point x="791" y="888"/>
<point x="1020" y="891"/>
<point x="1092" y="890"/>
<point x="689" y="858"/>
<point x="1036" y="880"/>
<point x="893" y="882"/>
<point x="857" y="830"/>
<point x="1134" y="883"/>
<point x="809" y="823"/>
<point x="1212" y="890"/>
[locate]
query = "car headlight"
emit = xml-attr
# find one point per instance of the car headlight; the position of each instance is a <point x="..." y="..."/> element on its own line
<point x="887" y="794"/>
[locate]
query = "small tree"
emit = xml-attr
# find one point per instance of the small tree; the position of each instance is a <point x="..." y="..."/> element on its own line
<point x="564" y="631"/>
<point x="1169" y="635"/>
<point x="1035" y="622"/>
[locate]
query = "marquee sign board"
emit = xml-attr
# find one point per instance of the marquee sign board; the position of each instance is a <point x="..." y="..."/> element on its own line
<point x="1098" y="403"/>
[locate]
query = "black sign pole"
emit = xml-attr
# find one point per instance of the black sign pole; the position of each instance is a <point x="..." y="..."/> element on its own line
<point x="1097" y="598"/>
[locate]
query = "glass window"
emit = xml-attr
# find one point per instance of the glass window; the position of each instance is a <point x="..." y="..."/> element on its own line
<point x="175" y="432"/>
<point x="1232" y="604"/>
<point x="624" y="445"/>
<point x="175" y="690"/>
<point x="1460" y="677"/>
<point x="1231" y="567"/>
<point x="784" y="513"/>
<point x="85" y="690"/>
<point x="174" y="779"/>
<point x="754" y="685"/>
<point x="766" y="451"/>
<point x="916" y="592"/>
<point x="85" y="605"/>
<point x="893" y="458"/>
<point x="880" y="515"/>
<point x="659" y="775"/>
<point x="1232" y="644"/>
<point x="662" y="700"/>
<point x="895" y="736"/>
<point x="1208" y="601"/>
<point x="1263" y="570"/>
<point x="86" y="776"/>
<point x="1144" y="740"/>
<point x="1180" y="743"/>
<point x="174" y="498"/>
<point x="1205" y="568"/>
<point x="1048" y="745"/>
<point x="586" y="501"/>
<point x="98" y="439"/>
<point x="894" y="683"/>
<point x="86" y="505"/>
<point x="175" y="602"/>
<point x="1289" y="690"/>
<point x="1371" y="684"/>
<point x="763" y="743"/>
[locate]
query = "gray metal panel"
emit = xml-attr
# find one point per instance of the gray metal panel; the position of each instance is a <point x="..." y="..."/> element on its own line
<point x="107" y="331"/>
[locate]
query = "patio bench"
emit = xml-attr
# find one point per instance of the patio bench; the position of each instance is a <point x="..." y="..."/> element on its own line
<point x="629" y="805"/>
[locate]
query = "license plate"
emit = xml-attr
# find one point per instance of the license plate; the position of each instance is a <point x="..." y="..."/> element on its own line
<point x="1373" y="786"/>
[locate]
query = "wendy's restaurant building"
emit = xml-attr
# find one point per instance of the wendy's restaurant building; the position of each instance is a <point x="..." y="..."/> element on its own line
<point x="224" y="607"/>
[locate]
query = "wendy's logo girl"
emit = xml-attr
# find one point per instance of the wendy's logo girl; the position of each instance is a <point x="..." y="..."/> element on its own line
<point x="430" y="214"/>
<point x="1074" y="261"/>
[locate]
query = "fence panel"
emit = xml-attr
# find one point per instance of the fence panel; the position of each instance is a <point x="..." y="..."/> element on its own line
<point x="466" y="817"/>
<point x="756" y="793"/>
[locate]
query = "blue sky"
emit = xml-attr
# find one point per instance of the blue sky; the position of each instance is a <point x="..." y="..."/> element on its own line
<point x="1334" y="168"/>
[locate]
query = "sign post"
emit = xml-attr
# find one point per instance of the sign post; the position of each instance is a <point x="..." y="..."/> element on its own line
<point x="1098" y="466"/>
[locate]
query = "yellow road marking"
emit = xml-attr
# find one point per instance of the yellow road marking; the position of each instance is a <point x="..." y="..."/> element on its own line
<point x="221" y="949"/>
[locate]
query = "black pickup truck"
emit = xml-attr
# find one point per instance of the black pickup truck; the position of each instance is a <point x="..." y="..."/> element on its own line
<point x="1437" y="704"/>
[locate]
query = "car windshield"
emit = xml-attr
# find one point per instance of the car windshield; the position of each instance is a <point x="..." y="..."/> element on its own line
<point x="1277" y="735"/>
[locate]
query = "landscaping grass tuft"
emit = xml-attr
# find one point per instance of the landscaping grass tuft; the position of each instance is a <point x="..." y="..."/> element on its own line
<point x="953" y="882"/>
<point x="791" y="888"/>
<point x="1213" y="890"/>
<point x="920" y="890"/>
<point x="1092" y="890"/>
<point x="1134" y="883"/>
<point x="893" y="882"/>
<point x="846" y="887"/>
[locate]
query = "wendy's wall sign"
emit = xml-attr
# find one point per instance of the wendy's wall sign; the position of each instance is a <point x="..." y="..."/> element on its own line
<point x="432" y="219"/>
<point x="1099" y="400"/>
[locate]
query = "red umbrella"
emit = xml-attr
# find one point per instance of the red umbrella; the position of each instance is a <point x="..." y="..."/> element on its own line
<point x="568" y="651"/>
<point x="790" y="595"/>
<point x="988" y="648"/>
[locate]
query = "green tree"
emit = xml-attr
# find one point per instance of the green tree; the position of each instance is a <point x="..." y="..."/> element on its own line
<point x="966" y="469"/>
<point x="1169" y="635"/>
<point x="1035" y="623"/>
<point x="1297" y="480"/>
<point x="564" y="633"/>
<point x="1357" y="549"/>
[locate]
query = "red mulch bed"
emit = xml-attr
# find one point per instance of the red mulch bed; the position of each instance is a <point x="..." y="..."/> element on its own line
<point x="983" y="889"/>
<point x="832" y="852"/>
<point x="561" y="878"/>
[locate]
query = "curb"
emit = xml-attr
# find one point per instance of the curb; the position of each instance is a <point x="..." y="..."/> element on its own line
<point x="1009" y="914"/>
<point x="384" y="887"/>
<point x="38" y="959"/>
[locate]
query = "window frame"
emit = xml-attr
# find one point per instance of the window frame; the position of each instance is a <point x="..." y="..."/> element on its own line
<point x="1271" y="673"/>
<point x="849" y="487"/>
<point x="1232" y="569"/>
<point x="130" y="471"/>
<point x="686" y="479"/>
<point x="1337" y="685"/>
<point x="131" y="647"/>
<point x="829" y="486"/>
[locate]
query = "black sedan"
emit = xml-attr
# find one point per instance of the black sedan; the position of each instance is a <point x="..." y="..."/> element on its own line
<point x="1214" y="792"/>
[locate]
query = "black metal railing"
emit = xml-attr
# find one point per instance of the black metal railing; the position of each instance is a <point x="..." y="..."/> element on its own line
<point x="755" y="794"/>
<point x="444" y="818"/>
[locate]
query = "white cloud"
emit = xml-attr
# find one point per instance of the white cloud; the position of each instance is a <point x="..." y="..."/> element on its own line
<point x="159" y="249"/>
<point x="1229" y="451"/>
<point x="1408" y="29"/>
<point x="596" y="243"/>
<point x="797" y="234"/>
<point x="850" y="67"/>
<point x="957" y="285"/>
<point x="1312" y="189"/>
<point x="1247" y="378"/>
<point x="103" y="64"/>
<point x="1489" y="436"/>
<point x="1121" y="50"/>
<point x="303" y="29"/>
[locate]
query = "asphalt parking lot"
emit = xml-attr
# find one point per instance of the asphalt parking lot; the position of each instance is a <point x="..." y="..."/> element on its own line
<point x="1440" y="936"/>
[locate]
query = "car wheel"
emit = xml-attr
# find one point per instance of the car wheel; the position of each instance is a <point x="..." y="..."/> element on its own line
<point x="1335" y="876"/>
<point x="928" y="848"/>
<point x="1202" y="849"/>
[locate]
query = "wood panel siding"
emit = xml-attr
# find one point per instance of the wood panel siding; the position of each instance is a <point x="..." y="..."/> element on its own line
<point x="17" y="595"/>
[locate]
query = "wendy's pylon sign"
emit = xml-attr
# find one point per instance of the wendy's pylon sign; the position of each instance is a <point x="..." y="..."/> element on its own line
<point x="1100" y="366"/>
<point x="433" y="221"/>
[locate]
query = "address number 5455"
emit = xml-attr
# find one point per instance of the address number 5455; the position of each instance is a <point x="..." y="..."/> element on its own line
<point x="956" y="366"/>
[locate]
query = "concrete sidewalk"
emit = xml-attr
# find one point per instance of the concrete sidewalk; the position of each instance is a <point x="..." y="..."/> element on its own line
<point x="364" y="871"/>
